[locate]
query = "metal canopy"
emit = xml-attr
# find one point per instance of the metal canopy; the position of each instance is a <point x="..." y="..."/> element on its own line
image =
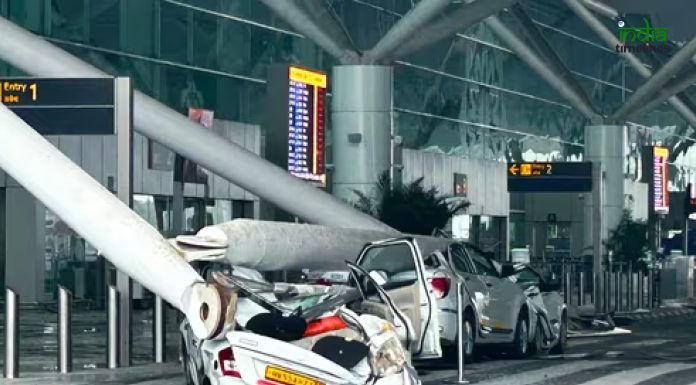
<point x="526" y="54"/>
<point x="463" y="17"/>
<point x="293" y="14"/>
<point x="611" y="40"/>
<point x="672" y="88"/>
<point x="542" y="46"/>
<point x="420" y="14"/>
<point x="654" y="83"/>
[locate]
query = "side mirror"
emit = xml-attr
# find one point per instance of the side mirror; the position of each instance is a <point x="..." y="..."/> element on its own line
<point x="507" y="270"/>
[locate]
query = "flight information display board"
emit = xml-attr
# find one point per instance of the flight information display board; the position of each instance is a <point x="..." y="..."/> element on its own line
<point x="295" y="122"/>
<point x="550" y="177"/>
<point x="69" y="106"/>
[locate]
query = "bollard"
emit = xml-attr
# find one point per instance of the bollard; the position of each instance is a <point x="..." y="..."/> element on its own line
<point x="607" y="291"/>
<point x="460" y="334"/>
<point x="568" y="289"/>
<point x="11" y="334"/>
<point x="651" y="291"/>
<point x="112" y="333"/>
<point x="158" y="330"/>
<point x="64" y="330"/>
<point x="640" y="289"/>
<point x="617" y="290"/>
<point x="581" y="288"/>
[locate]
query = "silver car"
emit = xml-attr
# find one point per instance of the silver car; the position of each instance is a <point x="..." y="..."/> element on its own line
<point x="499" y="310"/>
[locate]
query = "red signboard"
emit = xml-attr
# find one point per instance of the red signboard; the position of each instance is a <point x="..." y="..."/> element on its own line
<point x="660" y="180"/>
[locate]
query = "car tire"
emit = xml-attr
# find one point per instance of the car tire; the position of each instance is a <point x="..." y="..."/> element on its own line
<point x="451" y="353"/>
<point x="469" y="340"/>
<point x="536" y="346"/>
<point x="186" y="363"/>
<point x="562" y="344"/>
<point x="520" y="343"/>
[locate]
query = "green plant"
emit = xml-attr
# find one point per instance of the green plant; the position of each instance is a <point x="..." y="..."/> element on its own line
<point x="409" y="208"/>
<point x="628" y="242"/>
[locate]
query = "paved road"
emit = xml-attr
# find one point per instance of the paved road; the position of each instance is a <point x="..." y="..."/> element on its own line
<point x="657" y="353"/>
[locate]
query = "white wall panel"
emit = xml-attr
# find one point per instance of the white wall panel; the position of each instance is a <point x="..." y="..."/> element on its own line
<point x="92" y="156"/>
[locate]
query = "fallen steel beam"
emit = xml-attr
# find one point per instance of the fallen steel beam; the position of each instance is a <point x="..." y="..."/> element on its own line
<point x="405" y="28"/>
<point x="293" y="14"/>
<point x="465" y="16"/>
<point x="276" y="246"/>
<point x="36" y="56"/>
<point x="122" y="236"/>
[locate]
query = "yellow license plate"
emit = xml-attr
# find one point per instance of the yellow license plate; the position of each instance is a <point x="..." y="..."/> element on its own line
<point x="290" y="378"/>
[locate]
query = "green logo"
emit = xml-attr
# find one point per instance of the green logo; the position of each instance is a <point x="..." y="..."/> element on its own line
<point x="644" y="34"/>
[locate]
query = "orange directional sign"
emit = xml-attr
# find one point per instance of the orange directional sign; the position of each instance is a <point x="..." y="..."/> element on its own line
<point x="549" y="176"/>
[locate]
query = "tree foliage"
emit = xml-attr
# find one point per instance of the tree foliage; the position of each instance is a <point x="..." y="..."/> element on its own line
<point x="628" y="242"/>
<point x="409" y="208"/>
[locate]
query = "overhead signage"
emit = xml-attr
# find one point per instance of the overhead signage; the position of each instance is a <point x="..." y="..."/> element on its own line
<point x="660" y="180"/>
<point x="70" y="106"/>
<point x="295" y="122"/>
<point x="549" y="177"/>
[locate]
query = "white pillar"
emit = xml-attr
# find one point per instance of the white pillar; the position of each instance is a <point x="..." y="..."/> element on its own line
<point x="361" y="108"/>
<point x="605" y="144"/>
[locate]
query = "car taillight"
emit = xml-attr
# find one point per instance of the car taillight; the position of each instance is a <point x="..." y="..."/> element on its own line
<point x="227" y="364"/>
<point x="324" y="281"/>
<point x="441" y="286"/>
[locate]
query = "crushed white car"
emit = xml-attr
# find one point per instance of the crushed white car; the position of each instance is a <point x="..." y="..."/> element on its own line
<point x="301" y="334"/>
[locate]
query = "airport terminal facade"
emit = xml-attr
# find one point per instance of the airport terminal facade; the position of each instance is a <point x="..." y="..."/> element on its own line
<point x="464" y="106"/>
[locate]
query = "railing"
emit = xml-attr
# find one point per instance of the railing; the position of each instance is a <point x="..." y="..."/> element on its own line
<point x="65" y="356"/>
<point x="627" y="286"/>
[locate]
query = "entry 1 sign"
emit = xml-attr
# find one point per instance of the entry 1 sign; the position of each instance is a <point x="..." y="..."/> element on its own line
<point x="549" y="177"/>
<point x="83" y="106"/>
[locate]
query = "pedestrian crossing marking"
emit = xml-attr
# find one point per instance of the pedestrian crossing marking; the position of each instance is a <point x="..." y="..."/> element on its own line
<point x="533" y="376"/>
<point x="636" y="375"/>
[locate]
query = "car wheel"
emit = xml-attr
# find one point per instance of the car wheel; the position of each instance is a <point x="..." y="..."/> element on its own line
<point x="520" y="344"/>
<point x="562" y="343"/>
<point x="186" y="363"/>
<point x="469" y="341"/>
<point x="537" y="345"/>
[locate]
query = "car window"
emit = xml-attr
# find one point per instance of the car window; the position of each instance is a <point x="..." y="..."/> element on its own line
<point x="526" y="278"/>
<point x="483" y="265"/>
<point x="460" y="260"/>
<point x="393" y="262"/>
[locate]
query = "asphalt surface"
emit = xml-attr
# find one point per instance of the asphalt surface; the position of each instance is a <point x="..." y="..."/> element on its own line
<point x="659" y="352"/>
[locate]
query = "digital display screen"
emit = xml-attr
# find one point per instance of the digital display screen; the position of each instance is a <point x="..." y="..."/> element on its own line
<point x="306" y="93"/>
<point x="295" y="121"/>
<point x="660" y="180"/>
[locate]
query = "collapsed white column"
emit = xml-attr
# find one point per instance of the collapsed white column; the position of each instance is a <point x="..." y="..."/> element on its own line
<point x="123" y="237"/>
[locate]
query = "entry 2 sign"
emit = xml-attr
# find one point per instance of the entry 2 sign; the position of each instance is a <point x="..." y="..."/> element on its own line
<point x="70" y="106"/>
<point x="549" y="177"/>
